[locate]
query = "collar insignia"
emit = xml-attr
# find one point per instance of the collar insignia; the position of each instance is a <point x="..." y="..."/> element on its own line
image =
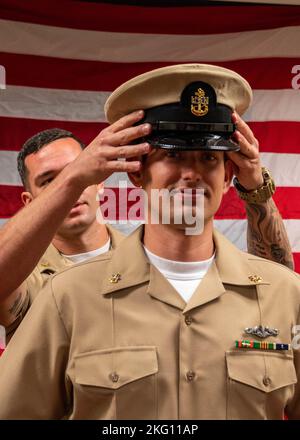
<point x="115" y="278"/>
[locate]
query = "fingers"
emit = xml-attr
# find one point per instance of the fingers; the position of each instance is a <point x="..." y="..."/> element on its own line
<point x="124" y="122"/>
<point x="123" y="166"/>
<point x="248" y="154"/>
<point x="100" y="158"/>
<point x="239" y="160"/>
<point x="244" y="129"/>
<point x="246" y="164"/>
<point x="247" y="150"/>
<point x="245" y="138"/>
<point x="125" y="152"/>
<point x="125" y="136"/>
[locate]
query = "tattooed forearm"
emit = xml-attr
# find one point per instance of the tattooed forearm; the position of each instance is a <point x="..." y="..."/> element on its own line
<point x="266" y="234"/>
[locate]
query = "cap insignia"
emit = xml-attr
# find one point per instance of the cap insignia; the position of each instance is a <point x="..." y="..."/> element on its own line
<point x="199" y="103"/>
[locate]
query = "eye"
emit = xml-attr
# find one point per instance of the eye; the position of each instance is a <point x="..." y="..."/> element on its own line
<point x="47" y="181"/>
<point x="209" y="157"/>
<point x="173" y="154"/>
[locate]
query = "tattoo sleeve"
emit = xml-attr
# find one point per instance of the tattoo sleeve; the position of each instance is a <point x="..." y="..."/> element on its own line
<point x="266" y="234"/>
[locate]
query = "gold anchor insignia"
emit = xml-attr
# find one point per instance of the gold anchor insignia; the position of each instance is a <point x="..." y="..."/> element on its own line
<point x="45" y="264"/>
<point x="115" y="278"/>
<point x="199" y="103"/>
<point x="255" y="278"/>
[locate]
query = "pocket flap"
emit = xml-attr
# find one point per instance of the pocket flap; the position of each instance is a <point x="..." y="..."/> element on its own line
<point x="262" y="370"/>
<point x="115" y="367"/>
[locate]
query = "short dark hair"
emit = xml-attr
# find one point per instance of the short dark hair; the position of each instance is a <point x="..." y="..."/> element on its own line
<point x="37" y="142"/>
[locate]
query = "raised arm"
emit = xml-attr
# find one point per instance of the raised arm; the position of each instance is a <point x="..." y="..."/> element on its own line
<point x="266" y="233"/>
<point x="24" y="238"/>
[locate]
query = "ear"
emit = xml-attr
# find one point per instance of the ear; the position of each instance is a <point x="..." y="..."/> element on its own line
<point x="136" y="178"/>
<point x="100" y="188"/>
<point x="228" y="175"/>
<point x="26" y="197"/>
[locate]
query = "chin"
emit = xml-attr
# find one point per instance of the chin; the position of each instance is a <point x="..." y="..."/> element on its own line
<point x="80" y="223"/>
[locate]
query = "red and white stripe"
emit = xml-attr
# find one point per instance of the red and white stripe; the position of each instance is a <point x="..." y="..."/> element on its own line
<point x="62" y="62"/>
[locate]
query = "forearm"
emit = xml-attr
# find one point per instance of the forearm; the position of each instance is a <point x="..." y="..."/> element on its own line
<point x="266" y="234"/>
<point x="26" y="236"/>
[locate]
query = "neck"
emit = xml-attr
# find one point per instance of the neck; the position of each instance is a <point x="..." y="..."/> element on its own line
<point x="176" y="245"/>
<point x="90" y="239"/>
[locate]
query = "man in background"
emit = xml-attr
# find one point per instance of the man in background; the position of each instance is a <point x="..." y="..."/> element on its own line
<point x="58" y="225"/>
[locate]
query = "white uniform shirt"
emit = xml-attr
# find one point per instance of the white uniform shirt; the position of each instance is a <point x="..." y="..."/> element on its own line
<point x="78" y="258"/>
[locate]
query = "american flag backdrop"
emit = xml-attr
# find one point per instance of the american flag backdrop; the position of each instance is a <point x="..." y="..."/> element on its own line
<point x="62" y="60"/>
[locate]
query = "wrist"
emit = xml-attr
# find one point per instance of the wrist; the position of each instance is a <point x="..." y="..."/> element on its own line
<point x="72" y="180"/>
<point x="260" y="194"/>
<point x="253" y="183"/>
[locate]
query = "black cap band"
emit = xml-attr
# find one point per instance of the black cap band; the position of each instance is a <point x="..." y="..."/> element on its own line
<point x="196" y="122"/>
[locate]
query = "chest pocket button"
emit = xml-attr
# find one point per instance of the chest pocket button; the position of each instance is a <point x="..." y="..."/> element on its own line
<point x="114" y="377"/>
<point x="267" y="381"/>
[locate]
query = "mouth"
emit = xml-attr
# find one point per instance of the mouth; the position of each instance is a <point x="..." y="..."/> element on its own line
<point x="79" y="203"/>
<point x="189" y="192"/>
<point x="75" y="208"/>
<point x="189" y="197"/>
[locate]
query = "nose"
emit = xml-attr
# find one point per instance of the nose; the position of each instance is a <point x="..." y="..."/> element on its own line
<point x="191" y="171"/>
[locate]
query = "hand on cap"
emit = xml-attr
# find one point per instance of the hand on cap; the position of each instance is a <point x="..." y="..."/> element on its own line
<point x="100" y="158"/>
<point x="246" y="162"/>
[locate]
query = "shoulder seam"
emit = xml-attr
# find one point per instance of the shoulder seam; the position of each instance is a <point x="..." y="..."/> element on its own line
<point x="282" y="266"/>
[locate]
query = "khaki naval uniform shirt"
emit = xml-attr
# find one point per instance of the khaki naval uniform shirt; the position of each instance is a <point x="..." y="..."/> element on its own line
<point x="112" y="339"/>
<point x="50" y="263"/>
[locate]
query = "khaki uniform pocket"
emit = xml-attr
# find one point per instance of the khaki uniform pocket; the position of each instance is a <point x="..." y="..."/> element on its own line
<point x="259" y="384"/>
<point x="117" y="383"/>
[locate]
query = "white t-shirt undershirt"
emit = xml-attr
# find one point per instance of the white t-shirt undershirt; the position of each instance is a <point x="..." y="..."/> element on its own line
<point x="78" y="258"/>
<point x="185" y="277"/>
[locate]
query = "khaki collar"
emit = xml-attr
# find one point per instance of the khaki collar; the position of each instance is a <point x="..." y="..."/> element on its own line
<point x="233" y="265"/>
<point x="129" y="266"/>
<point x="53" y="261"/>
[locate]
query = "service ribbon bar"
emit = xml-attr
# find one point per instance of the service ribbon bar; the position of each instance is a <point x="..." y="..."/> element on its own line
<point x="259" y="345"/>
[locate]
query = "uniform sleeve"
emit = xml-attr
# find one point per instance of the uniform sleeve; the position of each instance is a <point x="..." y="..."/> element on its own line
<point x="33" y="366"/>
<point x="20" y="313"/>
<point x="293" y="408"/>
<point x="29" y="291"/>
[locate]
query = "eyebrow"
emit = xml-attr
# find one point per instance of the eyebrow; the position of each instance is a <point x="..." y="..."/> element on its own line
<point x="39" y="177"/>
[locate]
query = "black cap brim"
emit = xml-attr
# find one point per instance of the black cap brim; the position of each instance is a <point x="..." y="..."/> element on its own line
<point x="192" y="142"/>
